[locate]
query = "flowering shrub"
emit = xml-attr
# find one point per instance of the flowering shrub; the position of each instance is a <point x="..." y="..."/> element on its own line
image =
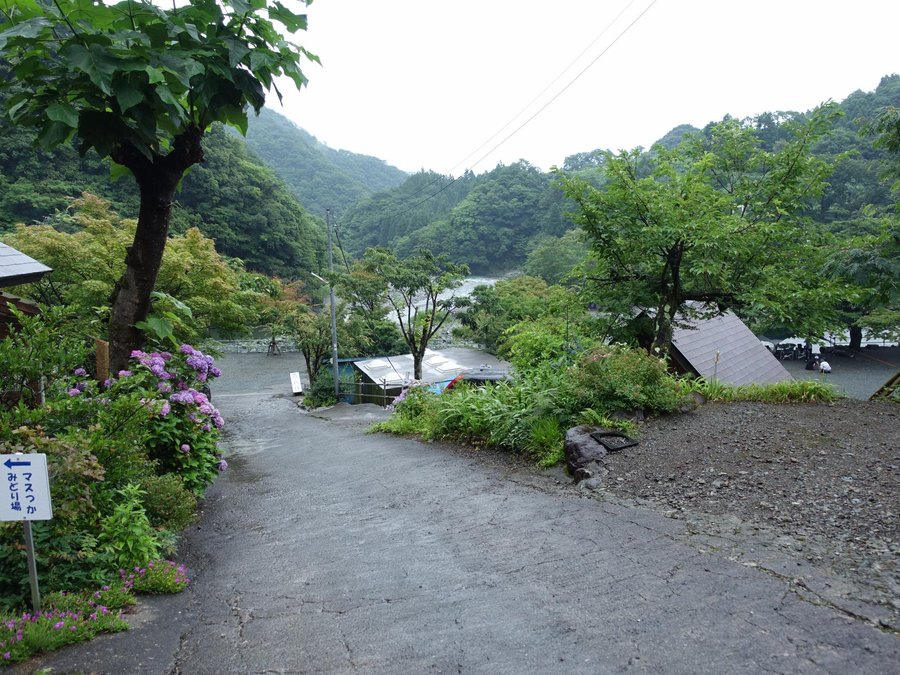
<point x="183" y="429"/>
<point x="74" y="617"/>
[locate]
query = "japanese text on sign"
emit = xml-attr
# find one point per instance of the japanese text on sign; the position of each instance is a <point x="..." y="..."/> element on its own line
<point x="25" y="488"/>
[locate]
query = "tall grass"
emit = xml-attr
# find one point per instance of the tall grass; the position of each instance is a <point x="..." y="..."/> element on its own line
<point x="791" y="391"/>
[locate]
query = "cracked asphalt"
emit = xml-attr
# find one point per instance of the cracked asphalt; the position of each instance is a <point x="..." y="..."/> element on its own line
<point x="326" y="549"/>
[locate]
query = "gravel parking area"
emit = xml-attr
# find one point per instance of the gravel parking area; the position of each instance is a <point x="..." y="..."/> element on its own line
<point x="819" y="481"/>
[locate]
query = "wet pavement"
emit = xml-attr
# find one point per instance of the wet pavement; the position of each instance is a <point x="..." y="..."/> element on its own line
<point x="324" y="549"/>
<point x="855" y="374"/>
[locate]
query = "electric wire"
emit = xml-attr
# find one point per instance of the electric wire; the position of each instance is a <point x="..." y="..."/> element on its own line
<point x="521" y="112"/>
<point x="542" y="108"/>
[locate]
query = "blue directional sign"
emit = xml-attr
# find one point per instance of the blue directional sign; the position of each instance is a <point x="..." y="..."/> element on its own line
<point x="24" y="488"/>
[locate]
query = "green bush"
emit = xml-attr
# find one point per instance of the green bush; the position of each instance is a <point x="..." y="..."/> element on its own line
<point x="126" y="537"/>
<point x="65" y="546"/>
<point x="321" y="390"/>
<point x="168" y="503"/>
<point x="612" y="378"/>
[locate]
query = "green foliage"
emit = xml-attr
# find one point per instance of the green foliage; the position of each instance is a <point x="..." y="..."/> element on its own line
<point x="168" y="503"/>
<point x="554" y="258"/>
<point x="65" y="544"/>
<point x="197" y="289"/>
<point x="146" y="75"/>
<point x="790" y="391"/>
<point x="321" y="390"/>
<point x="157" y="576"/>
<point x="97" y="444"/>
<point x="492" y="311"/>
<point x="616" y="377"/>
<point x="707" y="222"/>
<point x="246" y="208"/>
<point x="550" y="341"/>
<point x="47" y="345"/>
<point x="76" y="620"/>
<point x="126" y="537"/>
<point x="70" y="617"/>
<point x="415" y="289"/>
<point x="320" y="177"/>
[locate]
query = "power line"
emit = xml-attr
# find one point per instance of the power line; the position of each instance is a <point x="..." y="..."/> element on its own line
<point x="564" y="89"/>
<point x="547" y="88"/>
<point x="543" y="107"/>
<point x="524" y="108"/>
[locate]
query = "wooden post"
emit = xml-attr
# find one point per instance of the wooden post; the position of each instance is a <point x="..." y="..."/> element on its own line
<point x="101" y="348"/>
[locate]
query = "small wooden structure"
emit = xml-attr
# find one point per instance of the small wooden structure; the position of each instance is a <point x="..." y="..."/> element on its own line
<point x="16" y="268"/>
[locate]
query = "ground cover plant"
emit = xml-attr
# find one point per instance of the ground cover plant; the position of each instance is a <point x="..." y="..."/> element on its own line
<point x="68" y="618"/>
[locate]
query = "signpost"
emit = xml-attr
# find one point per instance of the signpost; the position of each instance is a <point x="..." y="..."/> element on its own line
<point x="25" y="496"/>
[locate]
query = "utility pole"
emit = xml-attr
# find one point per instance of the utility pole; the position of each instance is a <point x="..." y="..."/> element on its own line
<point x="334" y="349"/>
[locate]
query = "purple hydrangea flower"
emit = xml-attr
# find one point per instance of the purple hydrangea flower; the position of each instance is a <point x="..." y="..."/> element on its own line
<point x="165" y="410"/>
<point x="125" y="373"/>
<point x="222" y="465"/>
<point x="185" y="448"/>
<point x="186" y="349"/>
<point x="73" y="392"/>
<point x="164" y="387"/>
<point x="137" y="354"/>
<point x="80" y="372"/>
<point x="185" y="397"/>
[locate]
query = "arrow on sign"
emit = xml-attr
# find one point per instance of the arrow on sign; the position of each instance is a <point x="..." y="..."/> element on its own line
<point x="10" y="464"/>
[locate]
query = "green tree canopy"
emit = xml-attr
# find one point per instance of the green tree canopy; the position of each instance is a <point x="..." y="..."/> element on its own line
<point x="88" y="261"/>
<point x="415" y="289"/>
<point x="708" y="222"/>
<point x="141" y="84"/>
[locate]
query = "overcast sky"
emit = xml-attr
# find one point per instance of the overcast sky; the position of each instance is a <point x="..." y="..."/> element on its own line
<point x="436" y="85"/>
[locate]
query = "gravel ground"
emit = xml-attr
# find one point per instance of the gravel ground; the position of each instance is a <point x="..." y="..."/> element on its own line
<point x="817" y="481"/>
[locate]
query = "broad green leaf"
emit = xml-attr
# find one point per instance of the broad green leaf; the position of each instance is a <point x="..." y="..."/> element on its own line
<point x="95" y="61"/>
<point x="53" y="134"/>
<point x="30" y="29"/>
<point x="237" y="50"/>
<point x="118" y="171"/>
<point x="160" y="327"/>
<point x="155" y="75"/>
<point x="290" y="20"/>
<point x="127" y="96"/>
<point x="63" y="112"/>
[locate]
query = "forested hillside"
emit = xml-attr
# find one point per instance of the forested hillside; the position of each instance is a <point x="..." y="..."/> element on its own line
<point x="493" y="220"/>
<point x="319" y="176"/>
<point x="231" y="197"/>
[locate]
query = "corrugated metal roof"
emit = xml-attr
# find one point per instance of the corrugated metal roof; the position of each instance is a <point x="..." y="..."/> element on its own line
<point x="18" y="268"/>
<point x="742" y="358"/>
<point x="398" y="370"/>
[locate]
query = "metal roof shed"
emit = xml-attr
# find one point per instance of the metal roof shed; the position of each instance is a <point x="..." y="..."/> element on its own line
<point x="18" y="268"/>
<point x="723" y="348"/>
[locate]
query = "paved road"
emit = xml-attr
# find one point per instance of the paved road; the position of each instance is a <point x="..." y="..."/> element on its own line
<point x="324" y="549"/>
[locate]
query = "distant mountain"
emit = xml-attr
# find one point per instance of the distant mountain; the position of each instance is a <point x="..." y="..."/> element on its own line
<point x="319" y="176"/>
<point x="492" y="221"/>
<point x="231" y="197"/>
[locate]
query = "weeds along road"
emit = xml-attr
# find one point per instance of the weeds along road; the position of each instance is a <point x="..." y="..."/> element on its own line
<point x="324" y="549"/>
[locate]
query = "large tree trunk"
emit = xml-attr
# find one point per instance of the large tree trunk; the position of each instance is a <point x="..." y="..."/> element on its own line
<point x="855" y="337"/>
<point x="131" y="302"/>
<point x="157" y="181"/>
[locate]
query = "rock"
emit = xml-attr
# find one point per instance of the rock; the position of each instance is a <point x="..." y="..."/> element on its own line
<point x="581" y="450"/>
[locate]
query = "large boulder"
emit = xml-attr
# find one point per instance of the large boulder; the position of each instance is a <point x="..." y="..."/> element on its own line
<point x="581" y="450"/>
